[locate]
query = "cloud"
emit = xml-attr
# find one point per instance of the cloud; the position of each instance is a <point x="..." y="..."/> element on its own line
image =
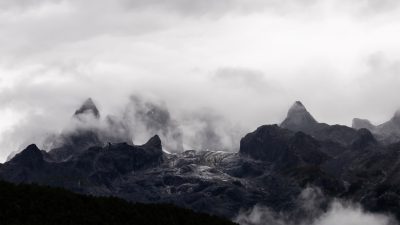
<point x="310" y="211"/>
<point x="340" y="213"/>
<point x="243" y="78"/>
<point x="134" y="123"/>
<point x="377" y="87"/>
<point x="337" y="213"/>
<point x="374" y="7"/>
<point x="209" y="7"/>
<point x="244" y="61"/>
<point x="181" y="7"/>
<point x="25" y="4"/>
<point x="205" y="129"/>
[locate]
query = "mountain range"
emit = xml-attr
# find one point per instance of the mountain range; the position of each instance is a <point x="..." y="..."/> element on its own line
<point x="274" y="165"/>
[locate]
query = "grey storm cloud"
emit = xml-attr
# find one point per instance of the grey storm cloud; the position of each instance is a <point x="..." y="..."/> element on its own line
<point x="184" y="7"/>
<point x="244" y="78"/>
<point x="205" y="7"/>
<point x="379" y="84"/>
<point x="222" y="68"/>
<point x="33" y="26"/>
<point x="376" y="6"/>
<point x="24" y="4"/>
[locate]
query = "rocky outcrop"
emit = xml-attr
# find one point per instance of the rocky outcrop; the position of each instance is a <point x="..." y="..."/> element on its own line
<point x="282" y="147"/>
<point x="88" y="108"/>
<point x="364" y="139"/>
<point x="299" y="119"/>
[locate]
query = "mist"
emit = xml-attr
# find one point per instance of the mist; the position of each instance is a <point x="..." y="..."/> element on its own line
<point x="137" y="121"/>
<point x="313" y="208"/>
<point x="241" y="63"/>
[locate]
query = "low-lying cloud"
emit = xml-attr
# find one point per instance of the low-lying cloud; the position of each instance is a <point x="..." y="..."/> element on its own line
<point x="140" y="119"/>
<point x="338" y="213"/>
<point x="313" y="208"/>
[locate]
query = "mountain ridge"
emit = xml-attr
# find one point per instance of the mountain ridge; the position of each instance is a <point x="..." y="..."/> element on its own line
<point x="272" y="167"/>
<point x="387" y="132"/>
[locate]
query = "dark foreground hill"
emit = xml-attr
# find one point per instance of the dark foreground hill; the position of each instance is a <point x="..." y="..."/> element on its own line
<point x="37" y="205"/>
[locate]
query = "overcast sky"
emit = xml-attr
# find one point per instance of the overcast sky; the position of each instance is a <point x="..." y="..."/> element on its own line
<point x="246" y="60"/>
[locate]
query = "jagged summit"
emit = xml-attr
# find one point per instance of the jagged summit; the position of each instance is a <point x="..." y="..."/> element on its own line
<point x="29" y="151"/>
<point x="88" y="107"/>
<point x="362" y="123"/>
<point x="155" y="142"/>
<point x="298" y="118"/>
<point x="31" y="157"/>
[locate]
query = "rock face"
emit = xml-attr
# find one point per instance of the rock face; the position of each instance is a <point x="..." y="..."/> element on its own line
<point x="364" y="139"/>
<point x="274" y="164"/>
<point x="75" y="142"/>
<point x="31" y="158"/>
<point x="282" y="147"/>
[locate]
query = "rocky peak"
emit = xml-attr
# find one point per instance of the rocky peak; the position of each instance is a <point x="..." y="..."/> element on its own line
<point x="29" y="152"/>
<point x="362" y="123"/>
<point x="88" y="107"/>
<point x="266" y="143"/>
<point x="298" y="118"/>
<point x="364" y="139"/>
<point x="154" y="142"/>
<point x="282" y="147"/>
<point x="31" y="156"/>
